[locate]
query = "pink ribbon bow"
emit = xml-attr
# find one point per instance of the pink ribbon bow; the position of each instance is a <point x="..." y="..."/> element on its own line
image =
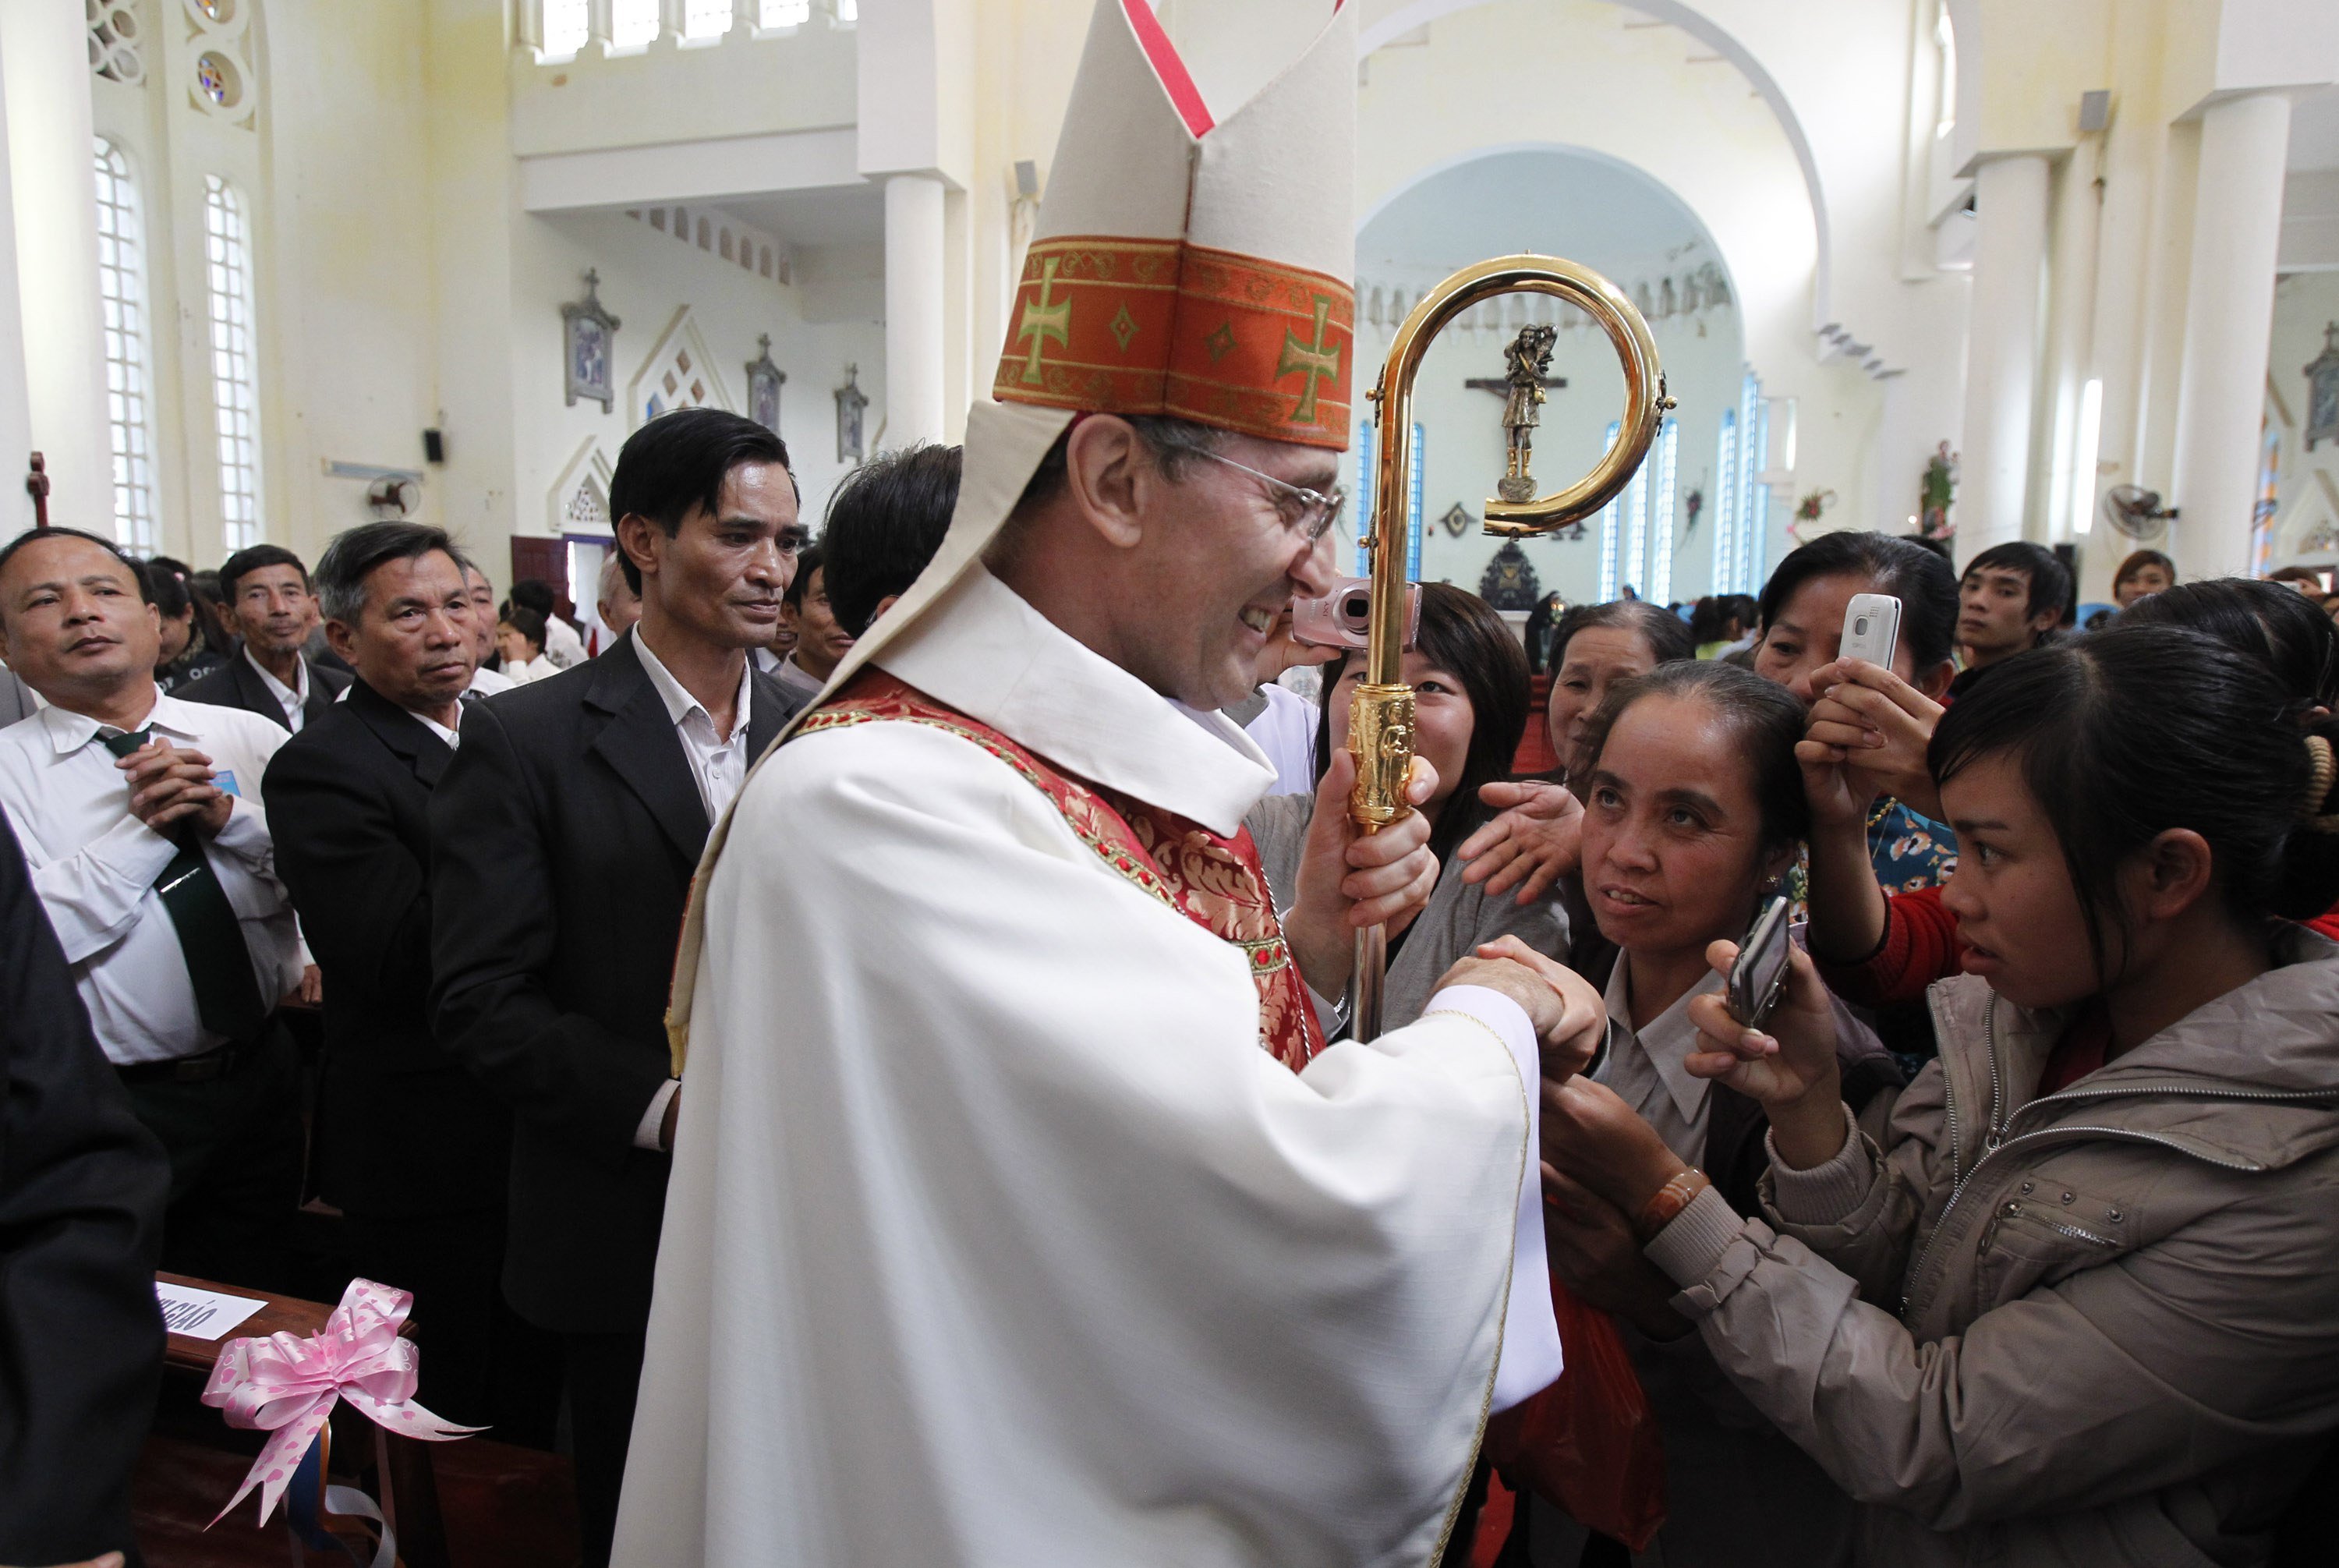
<point x="288" y="1385"/>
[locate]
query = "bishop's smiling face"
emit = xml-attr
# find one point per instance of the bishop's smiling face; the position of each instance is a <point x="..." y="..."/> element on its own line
<point x="1223" y="558"/>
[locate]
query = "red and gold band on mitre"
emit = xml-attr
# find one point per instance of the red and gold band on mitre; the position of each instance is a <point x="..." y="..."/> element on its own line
<point x="1125" y="325"/>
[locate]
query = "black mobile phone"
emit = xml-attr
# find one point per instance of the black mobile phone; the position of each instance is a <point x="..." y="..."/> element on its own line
<point x="1760" y="972"/>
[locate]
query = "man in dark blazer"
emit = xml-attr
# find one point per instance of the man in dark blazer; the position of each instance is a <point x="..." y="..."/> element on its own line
<point x="82" y="1189"/>
<point x="267" y="592"/>
<point x="411" y="1146"/>
<point x="563" y="841"/>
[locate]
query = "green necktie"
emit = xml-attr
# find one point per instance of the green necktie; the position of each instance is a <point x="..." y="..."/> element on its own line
<point x="227" y="999"/>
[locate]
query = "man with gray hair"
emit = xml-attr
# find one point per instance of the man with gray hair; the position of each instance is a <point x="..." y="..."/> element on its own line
<point x="620" y="606"/>
<point x="414" y="1149"/>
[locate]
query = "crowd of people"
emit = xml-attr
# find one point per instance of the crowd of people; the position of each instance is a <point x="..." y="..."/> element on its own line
<point x="2008" y="1233"/>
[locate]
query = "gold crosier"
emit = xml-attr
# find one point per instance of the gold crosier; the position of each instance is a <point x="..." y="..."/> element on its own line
<point x="1380" y="715"/>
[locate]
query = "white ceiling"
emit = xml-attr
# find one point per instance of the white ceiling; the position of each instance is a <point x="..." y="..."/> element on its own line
<point x="832" y="215"/>
<point x="1558" y="201"/>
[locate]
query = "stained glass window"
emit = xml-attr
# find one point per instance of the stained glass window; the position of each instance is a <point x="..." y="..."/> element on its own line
<point x="121" y="297"/>
<point x="1725" y="502"/>
<point x="1361" y="520"/>
<point x="566" y="25"/>
<point x="1635" y="569"/>
<point x="1755" y="496"/>
<point x="217" y="79"/>
<point x="1608" y="521"/>
<point x="1661" y="564"/>
<point x="236" y="391"/>
<point x="1412" y="508"/>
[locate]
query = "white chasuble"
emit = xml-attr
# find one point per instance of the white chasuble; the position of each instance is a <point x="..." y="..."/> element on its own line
<point x="993" y="1236"/>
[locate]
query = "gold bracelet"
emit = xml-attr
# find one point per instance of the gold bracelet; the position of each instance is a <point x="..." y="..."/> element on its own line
<point x="1671" y="1199"/>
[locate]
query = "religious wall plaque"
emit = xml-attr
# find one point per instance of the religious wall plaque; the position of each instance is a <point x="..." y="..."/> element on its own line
<point x="589" y="343"/>
<point x="851" y="402"/>
<point x="764" y="381"/>
<point x="2322" y="391"/>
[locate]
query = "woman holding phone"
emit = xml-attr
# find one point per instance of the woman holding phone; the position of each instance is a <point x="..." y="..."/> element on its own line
<point x="1693" y="810"/>
<point x="2071" y="1304"/>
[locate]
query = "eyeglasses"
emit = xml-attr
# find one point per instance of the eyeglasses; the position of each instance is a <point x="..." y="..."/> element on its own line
<point x="1311" y="512"/>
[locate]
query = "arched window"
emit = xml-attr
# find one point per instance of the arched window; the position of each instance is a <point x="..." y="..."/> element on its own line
<point x="1412" y="507"/>
<point x="1725" y="504"/>
<point x="129" y="397"/>
<point x="235" y="389"/>
<point x="1661" y="563"/>
<point x="1608" y="529"/>
<point x="564" y="27"/>
<point x="1754" y="495"/>
<point x="633" y="23"/>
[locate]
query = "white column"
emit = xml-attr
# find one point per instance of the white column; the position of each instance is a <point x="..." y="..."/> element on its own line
<point x="914" y="308"/>
<point x="2228" y="312"/>
<point x="2002" y="350"/>
<point x="52" y="192"/>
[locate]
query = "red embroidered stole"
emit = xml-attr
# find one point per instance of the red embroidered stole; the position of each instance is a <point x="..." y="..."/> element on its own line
<point x="1214" y="881"/>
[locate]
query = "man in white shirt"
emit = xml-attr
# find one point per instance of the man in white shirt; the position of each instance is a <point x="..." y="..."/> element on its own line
<point x="141" y="817"/>
<point x="564" y="832"/>
<point x="485" y="682"/>
<point x="267" y="592"/>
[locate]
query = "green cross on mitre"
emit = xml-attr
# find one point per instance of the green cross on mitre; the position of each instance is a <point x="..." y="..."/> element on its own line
<point x="1315" y="360"/>
<point x="1045" y="319"/>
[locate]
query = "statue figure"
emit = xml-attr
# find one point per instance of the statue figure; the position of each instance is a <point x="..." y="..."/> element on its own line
<point x="1524" y="364"/>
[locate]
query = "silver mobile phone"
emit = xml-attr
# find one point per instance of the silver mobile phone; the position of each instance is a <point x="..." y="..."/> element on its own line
<point x="1871" y="628"/>
<point x="1760" y="972"/>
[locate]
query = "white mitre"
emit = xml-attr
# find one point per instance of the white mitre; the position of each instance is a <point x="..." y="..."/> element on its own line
<point x="1179" y="266"/>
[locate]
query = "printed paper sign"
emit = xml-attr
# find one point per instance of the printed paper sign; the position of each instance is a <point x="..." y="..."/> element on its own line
<point x="201" y="1314"/>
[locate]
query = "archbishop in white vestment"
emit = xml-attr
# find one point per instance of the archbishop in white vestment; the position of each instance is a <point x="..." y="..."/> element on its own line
<point x="1004" y="1242"/>
<point x="994" y="1236"/>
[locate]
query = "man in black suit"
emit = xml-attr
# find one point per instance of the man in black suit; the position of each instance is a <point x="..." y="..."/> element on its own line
<point x="82" y="1189"/>
<point x="594" y="790"/>
<point x="411" y="1148"/>
<point x="268" y="591"/>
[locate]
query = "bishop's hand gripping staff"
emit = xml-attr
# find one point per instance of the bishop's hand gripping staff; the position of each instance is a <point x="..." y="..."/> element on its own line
<point x="1380" y="715"/>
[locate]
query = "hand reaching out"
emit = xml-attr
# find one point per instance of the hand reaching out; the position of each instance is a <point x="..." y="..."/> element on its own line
<point x="1568" y="1015"/>
<point x="1536" y="839"/>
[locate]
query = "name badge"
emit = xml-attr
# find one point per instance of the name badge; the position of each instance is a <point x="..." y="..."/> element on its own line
<point x="225" y="780"/>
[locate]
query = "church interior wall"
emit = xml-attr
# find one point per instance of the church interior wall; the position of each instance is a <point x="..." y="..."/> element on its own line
<point x="409" y="273"/>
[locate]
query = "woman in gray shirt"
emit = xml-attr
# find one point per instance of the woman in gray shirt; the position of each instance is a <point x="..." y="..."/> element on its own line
<point x="1469" y="678"/>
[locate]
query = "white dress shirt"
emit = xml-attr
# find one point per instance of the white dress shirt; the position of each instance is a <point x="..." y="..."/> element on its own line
<point x="562" y="646"/>
<point x="94" y="865"/>
<point x="293" y="700"/>
<point x="717" y="763"/>
<point x="719" y="767"/>
<point x="540" y="668"/>
<point x="1646" y="1067"/>
<point x="488" y="682"/>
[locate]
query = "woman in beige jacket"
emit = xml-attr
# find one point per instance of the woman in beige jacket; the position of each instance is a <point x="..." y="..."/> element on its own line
<point x="2077" y="1301"/>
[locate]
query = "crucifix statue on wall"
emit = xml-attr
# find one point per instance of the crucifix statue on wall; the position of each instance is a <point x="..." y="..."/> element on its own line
<point x="1525" y="379"/>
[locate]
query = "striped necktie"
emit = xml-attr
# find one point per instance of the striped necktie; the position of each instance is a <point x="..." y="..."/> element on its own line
<point x="210" y="938"/>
